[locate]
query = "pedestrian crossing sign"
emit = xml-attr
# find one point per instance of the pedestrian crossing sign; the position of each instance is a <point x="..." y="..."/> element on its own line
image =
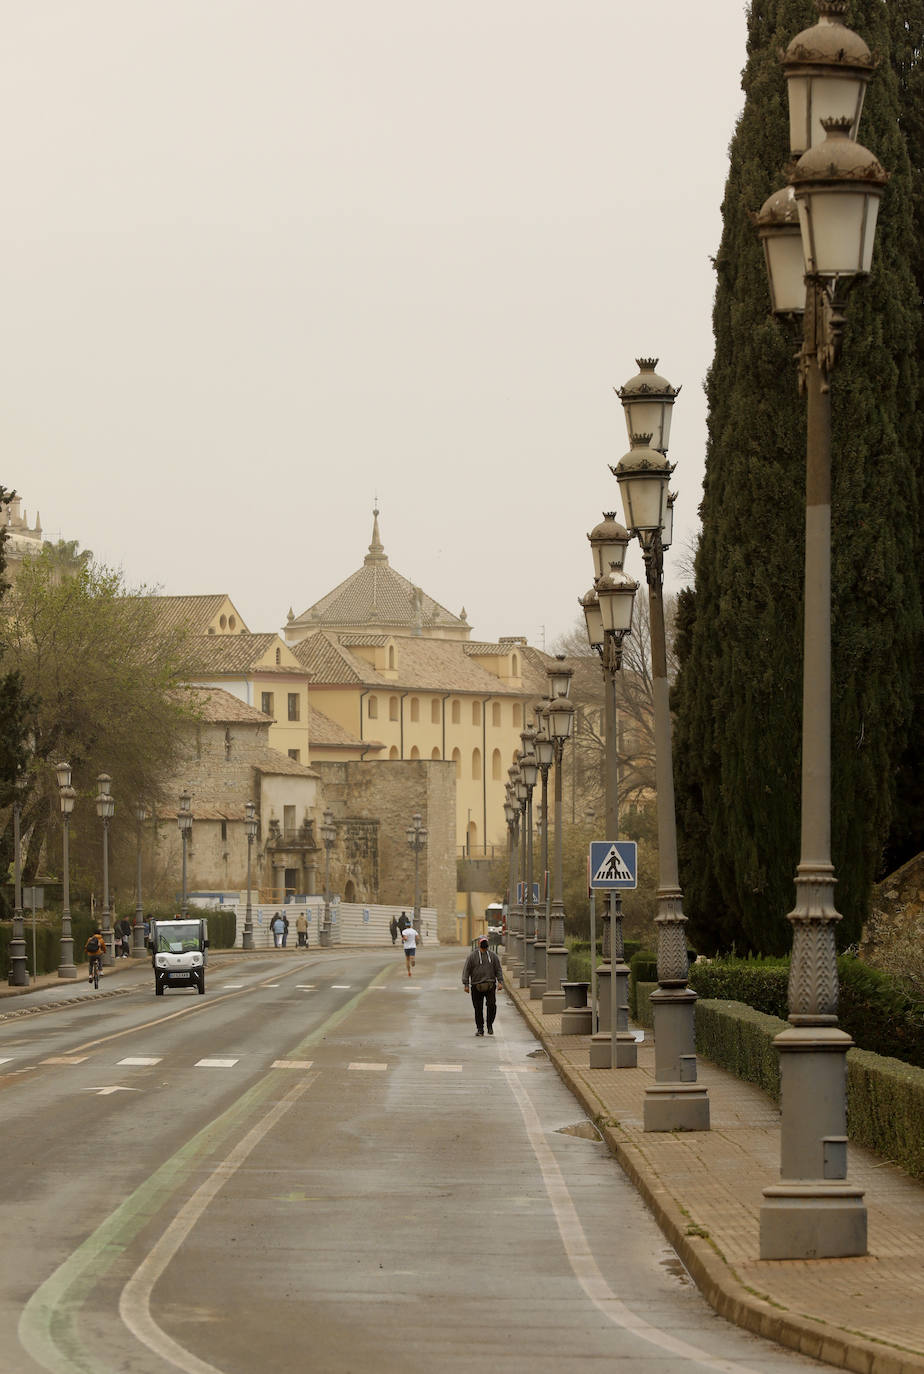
<point x="613" y="864"/>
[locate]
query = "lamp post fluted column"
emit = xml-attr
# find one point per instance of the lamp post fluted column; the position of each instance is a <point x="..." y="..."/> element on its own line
<point x="184" y="821"/>
<point x="676" y="1101"/>
<point x="250" y="827"/>
<point x="141" y="815"/>
<point x="560" y="717"/>
<point x="545" y="753"/>
<point x="328" y="835"/>
<point x="67" y="797"/>
<point x="19" y="969"/>
<point x="511" y="815"/>
<point x="416" y="838"/>
<point x="835" y="188"/>
<point x="105" y="807"/>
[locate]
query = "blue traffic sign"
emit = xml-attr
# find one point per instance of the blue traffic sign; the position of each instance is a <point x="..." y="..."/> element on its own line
<point x="613" y="864"/>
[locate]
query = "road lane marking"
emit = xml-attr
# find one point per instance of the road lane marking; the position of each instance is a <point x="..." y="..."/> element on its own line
<point x="106" y="1092"/>
<point x="215" y="1063"/>
<point x="341" y="987"/>
<point x="65" y="1059"/>
<point x="442" y="1068"/>
<point x="580" y="1253"/>
<point x="6" y="1061"/>
<point x="305" y="987"/>
<point x="231" y="987"/>
<point x="367" y="1067"/>
<point x="135" y="1299"/>
<point x="139" y="1060"/>
<point x="291" y="1064"/>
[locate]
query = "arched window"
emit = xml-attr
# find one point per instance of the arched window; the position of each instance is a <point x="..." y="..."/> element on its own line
<point x="393" y="752"/>
<point x="515" y="666"/>
<point x="373" y="708"/>
<point x="392" y="708"/>
<point x="496" y="765"/>
<point x="476" y="764"/>
<point x="349" y="892"/>
<point x="457" y="760"/>
<point x="456" y="712"/>
<point x="278" y="655"/>
<point x="415" y="752"/>
<point x="435" y="711"/>
<point x="476" y="712"/>
<point x="517" y="715"/>
<point x="472" y="837"/>
<point x="415" y="708"/>
<point x="435" y="754"/>
<point x="496" y="713"/>
<point x="391" y="656"/>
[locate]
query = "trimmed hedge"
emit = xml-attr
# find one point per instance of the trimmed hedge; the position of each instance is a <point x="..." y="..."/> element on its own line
<point x="885" y="1098"/>
<point x="871" y="1007"/>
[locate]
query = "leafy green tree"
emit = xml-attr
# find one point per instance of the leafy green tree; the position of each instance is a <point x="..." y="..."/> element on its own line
<point x="13" y="724"/>
<point x="102" y="684"/>
<point x="739" y="631"/>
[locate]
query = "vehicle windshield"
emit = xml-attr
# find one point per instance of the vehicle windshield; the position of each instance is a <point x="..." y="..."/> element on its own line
<point x="178" y="937"/>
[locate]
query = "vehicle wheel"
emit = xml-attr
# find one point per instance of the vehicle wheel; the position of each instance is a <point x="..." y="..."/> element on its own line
<point x="201" y="984"/>
<point x="158" y="987"/>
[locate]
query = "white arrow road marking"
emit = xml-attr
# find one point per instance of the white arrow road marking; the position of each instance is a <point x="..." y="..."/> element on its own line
<point x="104" y="1092"/>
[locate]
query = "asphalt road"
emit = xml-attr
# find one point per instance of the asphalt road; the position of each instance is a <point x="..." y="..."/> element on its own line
<point x="317" y="1166"/>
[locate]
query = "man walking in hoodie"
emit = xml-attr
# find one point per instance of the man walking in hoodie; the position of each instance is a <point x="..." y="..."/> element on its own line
<point x="483" y="974"/>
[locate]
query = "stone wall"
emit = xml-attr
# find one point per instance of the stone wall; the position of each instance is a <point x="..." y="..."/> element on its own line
<point x="389" y="792"/>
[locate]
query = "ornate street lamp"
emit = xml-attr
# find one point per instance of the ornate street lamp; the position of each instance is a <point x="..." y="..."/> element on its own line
<point x="515" y="950"/>
<point x="675" y="1101"/>
<point x="184" y="820"/>
<point x="250" y="826"/>
<point x="544" y="749"/>
<point x="529" y="772"/>
<point x="648" y="401"/>
<point x="837" y="185"/>
<point x="608" y="612"/>
<point x="559" y="715"/>
<point x="105" y="807"/>
<point x="141" y="815"/>
<point x="416" y="838"/>
<point x="328" y="836"/>
<point x="19" y="970"/>
<point x="67" y="797"/>
<point x="512" y="817"/>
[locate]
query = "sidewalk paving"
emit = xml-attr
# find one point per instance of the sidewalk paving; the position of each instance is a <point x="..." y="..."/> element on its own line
<point x="705" y="1189"/>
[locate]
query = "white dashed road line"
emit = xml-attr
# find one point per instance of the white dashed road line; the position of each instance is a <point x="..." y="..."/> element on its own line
<point x="139" y="1060"/>
<point x="368" y="1067"/>
<point x="215" y="1063"/>
<point x="291" y="1064"/>
<point x="442" y="1068"/>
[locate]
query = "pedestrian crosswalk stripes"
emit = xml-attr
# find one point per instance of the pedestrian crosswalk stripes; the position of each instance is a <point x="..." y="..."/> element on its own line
<point x="229" y="1062"/>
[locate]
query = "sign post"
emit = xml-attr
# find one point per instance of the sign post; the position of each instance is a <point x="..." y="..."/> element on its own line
<point x="613" y="865"/>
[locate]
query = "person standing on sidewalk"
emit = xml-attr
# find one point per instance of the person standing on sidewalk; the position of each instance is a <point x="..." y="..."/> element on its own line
<point x="409" y="940"/>
<point x="483" y="973"/>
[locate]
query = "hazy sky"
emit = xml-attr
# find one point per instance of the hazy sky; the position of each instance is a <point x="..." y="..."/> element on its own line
<point x="265" y="259"/>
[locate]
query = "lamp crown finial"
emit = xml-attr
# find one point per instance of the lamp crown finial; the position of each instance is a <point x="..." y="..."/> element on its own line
<point x="646" y="364"/>
<point x="838" y="124"/>
<point x="640" y="440"/>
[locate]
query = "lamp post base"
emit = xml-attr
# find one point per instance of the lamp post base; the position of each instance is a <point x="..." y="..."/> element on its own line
<point x="601" y="1050"/>
<point x="814" y="1220"/>
<point x="676" y="1107"/>
<point x="247" y="939"/>
<point x="624" y="1051"/>
<point x="553" y="1003"/>
<point x="537" y="989"/>
<point x="324" y="939"/>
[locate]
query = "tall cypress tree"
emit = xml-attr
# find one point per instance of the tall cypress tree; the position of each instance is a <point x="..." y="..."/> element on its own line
<point x="739" y="690"/>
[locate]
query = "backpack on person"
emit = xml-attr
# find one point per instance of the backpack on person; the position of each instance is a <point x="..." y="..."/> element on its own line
<point x="94" y="945"/>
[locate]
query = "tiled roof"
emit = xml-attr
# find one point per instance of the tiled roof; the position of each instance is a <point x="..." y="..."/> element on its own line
<point x="330" y="734"/>
<point x="272" y="762"/>
<point x="377" y="595"/>
<point x="194" y="613"/>
<point x="235" y="653"/>
<point x="374" y="641"/>
<point x="218" y="707"/>
<point x="427" y="665"/>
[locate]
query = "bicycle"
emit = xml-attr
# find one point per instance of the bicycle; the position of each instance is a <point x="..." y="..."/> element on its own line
<point x="96" y="967"/>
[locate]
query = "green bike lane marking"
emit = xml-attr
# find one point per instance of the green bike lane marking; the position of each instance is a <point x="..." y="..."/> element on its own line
<point x="48" y="1325"/>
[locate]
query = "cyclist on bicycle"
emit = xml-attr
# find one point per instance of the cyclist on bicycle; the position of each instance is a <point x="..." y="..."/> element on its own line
<point x="94" y="949"/>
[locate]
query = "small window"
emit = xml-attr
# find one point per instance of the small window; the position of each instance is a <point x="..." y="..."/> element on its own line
<point x="288" y="820"/>
<point x="517" y="715"/>
<point x="278" y="655"/>
<point x="393" y="752"/>
<point x="415" y="708"/>
<point x="295" y="755"/>
<point x="391" y="657"/>
<point x="435" y="753"/>
<point x="476" y="712"/>
<point x="266" y="703"/>
<point x="415" y="752"/>
<point x="456" y="712"/>
<point x="515" y="663"/>
<point x="392" y="708"/>
<point x="223" y="621"/>
<point x="496" y="713"/>
<point x="476" y="764"/>
<point x="232" y="622"/>
<point x="435" y="711"/>
<point x="373" y="708"/>
<point x="294" y="713"/>
<point x="457" y="760"/>
<point x="496" y="766"/>
<point x="224" y="831"/>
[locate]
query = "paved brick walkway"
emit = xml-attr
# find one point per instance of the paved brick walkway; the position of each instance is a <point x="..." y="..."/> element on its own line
<point x="864" y="1314"/>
